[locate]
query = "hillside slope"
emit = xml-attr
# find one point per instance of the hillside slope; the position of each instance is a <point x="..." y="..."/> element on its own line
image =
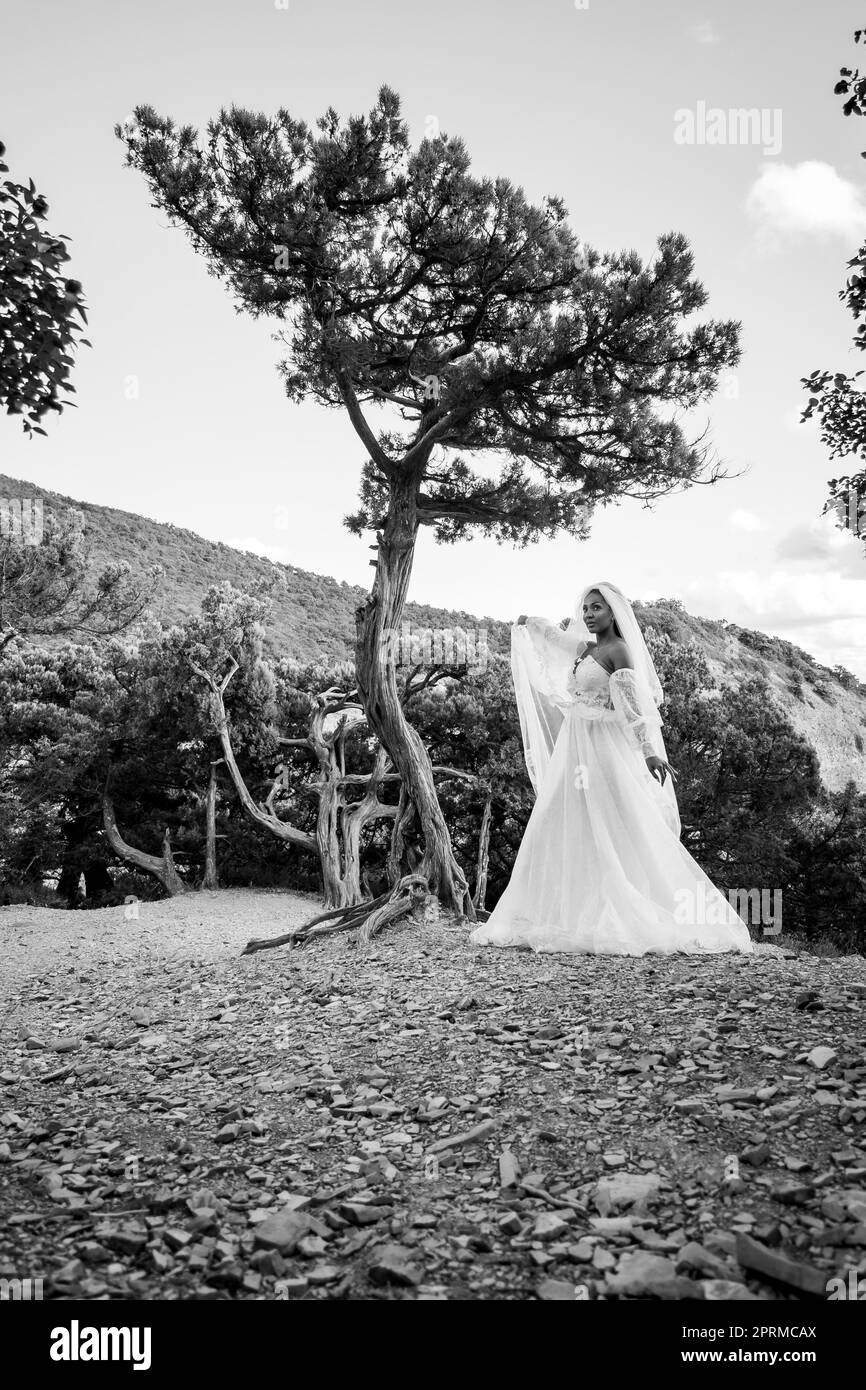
<point x="315" y="618"/>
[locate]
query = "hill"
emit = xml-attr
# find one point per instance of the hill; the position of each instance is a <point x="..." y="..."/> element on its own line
<point x="314" y="617"/>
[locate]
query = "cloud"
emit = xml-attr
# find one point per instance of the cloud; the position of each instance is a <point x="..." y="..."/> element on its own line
<point x="814" y="596"/>
<point x="808" y="199"/>
<point x="747" y="521"/>
<point x="822" y="541"/>
<point x="704" y="32"/>
<point x="796" y="599"/>
<point x="278" y="553"/>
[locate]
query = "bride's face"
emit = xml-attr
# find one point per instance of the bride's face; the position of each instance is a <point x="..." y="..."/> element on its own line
<point x="596" y="613"/>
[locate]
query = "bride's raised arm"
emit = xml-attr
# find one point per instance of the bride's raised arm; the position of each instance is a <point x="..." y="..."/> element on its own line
<point x="565" y="640"/>
<point x="542" y="656"/>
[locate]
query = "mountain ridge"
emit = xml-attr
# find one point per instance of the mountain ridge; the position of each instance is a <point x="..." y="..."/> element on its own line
<point x="314" y="618"/>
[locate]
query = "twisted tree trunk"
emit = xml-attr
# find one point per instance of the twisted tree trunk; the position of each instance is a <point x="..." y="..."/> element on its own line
<point x="396" y="864"/>
<point x="339" y="823"/>
<point x="376" y="620"/>
<point x="480" y="893"/>
<point x="355" y="817"/>
<point x="263" y="815"/>
<point x="211" y="878"/>
<point x="162" y="867"/>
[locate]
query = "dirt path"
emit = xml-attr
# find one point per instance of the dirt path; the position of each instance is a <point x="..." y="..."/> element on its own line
<point x="38" y="942"/>
<point x="183" y="1122"/>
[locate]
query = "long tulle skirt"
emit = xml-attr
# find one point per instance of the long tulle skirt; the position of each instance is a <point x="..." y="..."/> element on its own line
<point x="600" y="870"/>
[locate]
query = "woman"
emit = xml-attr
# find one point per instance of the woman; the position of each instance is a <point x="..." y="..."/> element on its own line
<point x="601" y="868"/>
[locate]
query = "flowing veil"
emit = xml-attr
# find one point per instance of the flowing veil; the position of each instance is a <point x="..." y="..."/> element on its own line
<point x="542" y="657"/>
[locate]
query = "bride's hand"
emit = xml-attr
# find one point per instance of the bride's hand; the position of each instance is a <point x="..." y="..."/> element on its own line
<point x="660" y="769"/>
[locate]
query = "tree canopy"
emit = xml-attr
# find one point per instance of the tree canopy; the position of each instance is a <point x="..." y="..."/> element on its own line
<point x="836" y="399"/>
<point x="402" y="279"/>
<point x="40" y="307"/>
<point x="50" y="588"/>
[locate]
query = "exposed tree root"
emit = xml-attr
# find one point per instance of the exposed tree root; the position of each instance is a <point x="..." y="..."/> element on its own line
<point x="410" y="893"/>
<point x="366" y="918"/>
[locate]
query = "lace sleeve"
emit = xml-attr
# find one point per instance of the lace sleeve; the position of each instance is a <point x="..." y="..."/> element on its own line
<point x="553" y="645"/>
<point x="626" y="701"/>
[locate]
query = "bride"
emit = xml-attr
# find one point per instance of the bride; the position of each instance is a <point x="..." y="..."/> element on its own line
<point x="601" y="868"/>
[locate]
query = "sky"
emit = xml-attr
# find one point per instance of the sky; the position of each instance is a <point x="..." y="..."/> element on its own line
<point x="181" y="414"/>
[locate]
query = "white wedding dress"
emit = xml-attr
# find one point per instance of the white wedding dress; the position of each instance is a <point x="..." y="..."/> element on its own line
<point x="601" y="869"/>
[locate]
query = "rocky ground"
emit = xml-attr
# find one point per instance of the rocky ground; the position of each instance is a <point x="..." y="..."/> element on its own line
<point x="420" y="1119"/>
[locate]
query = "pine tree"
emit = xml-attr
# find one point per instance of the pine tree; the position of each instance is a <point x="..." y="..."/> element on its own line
<point x="501" y="376"/>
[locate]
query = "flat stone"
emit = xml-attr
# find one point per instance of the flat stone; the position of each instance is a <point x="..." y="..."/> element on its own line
<point x="269" y="1262"/>
<point x="294" y="1201"/>
<point x="175" y="1238"/>
<point x="626" y="1190"/>
<point x="721" y="1243"/>
<point x="651" y="1240"/>
<point x="821" y="1057"/>
<point x="281" y="1231"/>
<point x="695" y="1257"/>
<point x="611" y="1225"/>
<point x="323" y="1274"/>
<point x="780" y="1269"/>
<point x="854" y="1202"/>
<point x="555" y="1291"/>
<point x="792" y="1193"/>
<point x="731" y="1093"/>
<point x="602" y="1259"/>
<point x="94" y="1253"/>
<point x="755" y="1155"/>
<point x="127" y="1239"/>
<point x="551" y="1225"/>
<point x="309" y="1247"/>
<point x="290" y="1287"/>
<point x="509" y="1169"/>
<point x="361" y="1214"/>
<point x="727" y="1291"/>
<point x="392" y="1264"/>
<point x="642" y="1275"/>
